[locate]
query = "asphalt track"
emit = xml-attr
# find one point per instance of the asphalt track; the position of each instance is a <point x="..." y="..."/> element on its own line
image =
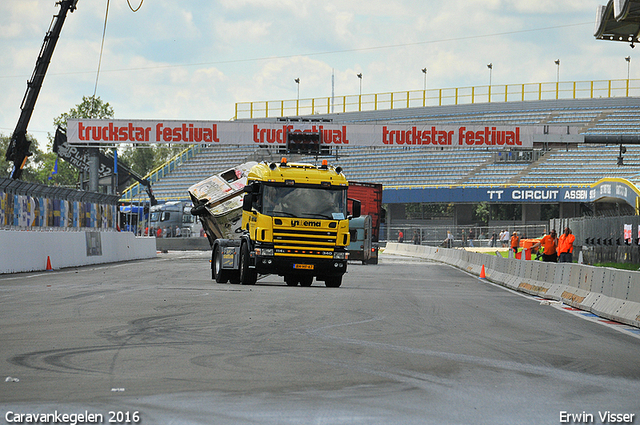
<point x="403" y="342"/>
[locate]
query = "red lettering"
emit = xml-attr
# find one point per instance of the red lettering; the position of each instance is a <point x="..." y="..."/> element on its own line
<point x="80" y="130"/>
<point x="130" y="135"/>
<point x="461" y="135"/>
<point x="158" y="131"/>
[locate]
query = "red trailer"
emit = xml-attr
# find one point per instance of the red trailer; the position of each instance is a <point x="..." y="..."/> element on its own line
<point x="370" y="195"/>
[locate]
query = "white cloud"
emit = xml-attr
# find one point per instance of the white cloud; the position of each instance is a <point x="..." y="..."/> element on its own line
<point x="197" y="59"/>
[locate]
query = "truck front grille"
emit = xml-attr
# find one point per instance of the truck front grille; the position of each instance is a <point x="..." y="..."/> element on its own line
<point x="295" y="242"/>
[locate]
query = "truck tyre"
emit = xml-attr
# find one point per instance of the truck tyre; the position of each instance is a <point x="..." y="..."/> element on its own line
<point x="248" y="276"/>
<point x="291" y="281"/>
<point x="219" y="274"/>
<point x="333" y="281"/>
<point x="306" y="281"/>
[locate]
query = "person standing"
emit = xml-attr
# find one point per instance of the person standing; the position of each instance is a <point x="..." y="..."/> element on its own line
<point x="565" y="246"/>
<point x="449" y="239"/>
<point x="472" y="236"/>
<point x="400" y="237"/>
<point x="549" y="245"/>
<point x="504" y="238"/>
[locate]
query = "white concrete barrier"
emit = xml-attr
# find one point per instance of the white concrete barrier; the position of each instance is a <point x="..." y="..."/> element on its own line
<point x="609" y="293"/>
<point x="25" y="251"/>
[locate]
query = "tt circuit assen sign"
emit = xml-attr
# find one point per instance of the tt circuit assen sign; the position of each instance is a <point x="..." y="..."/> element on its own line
<point x="113" y="132"/>
<point x="603" y="190"/>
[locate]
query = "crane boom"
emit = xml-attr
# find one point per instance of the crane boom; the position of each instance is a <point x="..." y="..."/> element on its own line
<point x="18" y="150"/>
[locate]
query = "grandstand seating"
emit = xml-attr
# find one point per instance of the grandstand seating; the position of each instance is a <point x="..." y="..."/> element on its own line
<point x="405" y="166"/>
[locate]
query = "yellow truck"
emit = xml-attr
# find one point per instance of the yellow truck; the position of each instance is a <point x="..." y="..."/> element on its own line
<point x="288" y="219"/>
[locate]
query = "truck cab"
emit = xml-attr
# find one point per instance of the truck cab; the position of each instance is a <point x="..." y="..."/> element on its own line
<point x="297" y="222"/>
<point x="166" y="218"/>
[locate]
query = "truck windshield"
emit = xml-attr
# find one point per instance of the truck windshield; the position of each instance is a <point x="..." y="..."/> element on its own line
<point x="328" y="204"/>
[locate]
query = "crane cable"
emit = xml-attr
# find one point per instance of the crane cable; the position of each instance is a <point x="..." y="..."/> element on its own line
<point x="132" y="9"/>
<point x="104" y="32"/>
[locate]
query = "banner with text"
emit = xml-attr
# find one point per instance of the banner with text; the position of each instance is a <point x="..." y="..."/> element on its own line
<point x="112" y="132"/>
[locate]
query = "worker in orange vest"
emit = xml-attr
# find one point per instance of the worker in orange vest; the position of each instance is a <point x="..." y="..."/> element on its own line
<point x="565" y="246"/>
<point x="515" y="242"/>
<point x="549" y="244"/>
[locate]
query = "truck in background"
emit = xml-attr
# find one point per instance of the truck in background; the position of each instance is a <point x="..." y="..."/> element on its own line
<point x="370" y="197"/>
<point x="276" y="218"/>
<point x="366" y="247"/>
<point x="173" y="219"/>
<point x="191" y="226"/>
<point x="361" y="246"/>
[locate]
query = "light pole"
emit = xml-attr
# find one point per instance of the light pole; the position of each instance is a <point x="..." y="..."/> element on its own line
<point x="490" y="66"/>
<point x="424" y="93"/>
<point x="297" y="80"/>
<point x="557" y="62"/>
<point x="360" y="97"/>
<point x="628" y="59"/>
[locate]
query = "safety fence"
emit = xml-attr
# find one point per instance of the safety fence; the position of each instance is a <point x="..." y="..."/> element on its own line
<point x="32" y="206"/>
<point x="462" y="236"/>
<point x="440" y="97"/>
<point x="609" y="293"/>
<point x="604" y="239"/>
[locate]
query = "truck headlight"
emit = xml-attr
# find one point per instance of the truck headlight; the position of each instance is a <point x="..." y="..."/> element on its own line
<point x="339" y="255"/>
<point x="264" y="252"/>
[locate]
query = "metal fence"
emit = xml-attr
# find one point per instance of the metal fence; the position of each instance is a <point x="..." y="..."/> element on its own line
<point x="601" y="231"/>
<point x="463" y="236"/>
<point x="439" y="97"/>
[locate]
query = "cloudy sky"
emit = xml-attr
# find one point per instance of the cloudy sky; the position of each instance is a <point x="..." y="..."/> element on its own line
<point x="195" y="59"/>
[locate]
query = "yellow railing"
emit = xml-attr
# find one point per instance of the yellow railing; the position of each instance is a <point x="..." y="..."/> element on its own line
<point x="439" y="97"/>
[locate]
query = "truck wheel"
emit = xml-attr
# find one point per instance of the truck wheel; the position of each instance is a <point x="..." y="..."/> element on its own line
<point x="306" y="281"/>
<point x="219" y="274"/>
<point x="234" y="277"/>
<point x="291" y="281"/>
<point x="247" y="276"/>
<point x="333" y="281"/>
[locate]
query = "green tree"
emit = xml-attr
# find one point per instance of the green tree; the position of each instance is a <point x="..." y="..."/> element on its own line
<point x="67" y="174"/>
<point x="482" y="213"/>
<point x="32" y="169"/>
<point x="90" y="107"/>
<point x="5" y="166"/>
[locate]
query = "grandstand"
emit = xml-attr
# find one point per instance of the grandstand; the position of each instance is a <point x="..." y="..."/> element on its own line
<point x="552" y="162"/>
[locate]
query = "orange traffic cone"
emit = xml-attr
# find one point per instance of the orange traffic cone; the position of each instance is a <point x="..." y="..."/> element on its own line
<point x="482" y="275"/>
<point x="49" y="264"/>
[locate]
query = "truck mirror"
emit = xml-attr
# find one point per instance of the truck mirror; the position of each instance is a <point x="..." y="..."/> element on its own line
<point x="246" y="202"/>
<point x="357" y="207"/>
